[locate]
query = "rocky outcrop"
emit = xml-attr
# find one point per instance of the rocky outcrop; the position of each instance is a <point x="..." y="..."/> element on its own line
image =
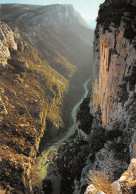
<point x="126" y="184"/>
<point x="7" y="43"/>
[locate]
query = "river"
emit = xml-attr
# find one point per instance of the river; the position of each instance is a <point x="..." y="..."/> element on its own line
<point x="72" y="129"/>
<point x="48" y="153"/>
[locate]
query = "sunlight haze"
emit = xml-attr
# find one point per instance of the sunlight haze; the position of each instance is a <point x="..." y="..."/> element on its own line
<point x="87" y="8"/>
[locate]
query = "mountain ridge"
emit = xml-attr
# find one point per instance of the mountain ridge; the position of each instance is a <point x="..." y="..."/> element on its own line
<point x="53" y="12"/>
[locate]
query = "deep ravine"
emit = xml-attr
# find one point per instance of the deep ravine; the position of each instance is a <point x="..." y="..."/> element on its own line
<point x="72" y="129"/>
<point x="45" y="49"/>
<point x="49" y="154"/>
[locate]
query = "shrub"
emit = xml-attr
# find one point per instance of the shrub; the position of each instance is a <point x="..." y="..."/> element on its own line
<point x="101" y="182"/>
<point x="97" y="139"/>
<point x="36" y="178"/>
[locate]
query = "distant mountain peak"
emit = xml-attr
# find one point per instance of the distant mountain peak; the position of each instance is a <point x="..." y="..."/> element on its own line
<point x="50" y="15"/>
<point x="56" y="15"/>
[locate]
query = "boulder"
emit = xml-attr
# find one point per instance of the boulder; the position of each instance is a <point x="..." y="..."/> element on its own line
<point x="90" y="190"/>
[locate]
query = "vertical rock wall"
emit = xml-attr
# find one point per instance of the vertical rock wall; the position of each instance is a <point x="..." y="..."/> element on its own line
<point x="115" y="57"/>
<point x="113" y="98"/>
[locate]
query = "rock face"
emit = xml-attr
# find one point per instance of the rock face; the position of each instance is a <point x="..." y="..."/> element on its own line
<point x="7" y="43"/>
<point x="127" y="182"/>
<point x="113" y="68"/>
<point x="36" y="66"/>
<point x="112" y="105"/>
<point x="114" y="84"/>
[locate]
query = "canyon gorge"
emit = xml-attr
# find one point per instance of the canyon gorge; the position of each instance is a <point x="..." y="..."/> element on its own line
<point x="68" y="100"/>
<point x="43" y="66"/>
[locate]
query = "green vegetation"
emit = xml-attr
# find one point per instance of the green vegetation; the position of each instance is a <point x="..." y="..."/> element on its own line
<point x="84" y="116"/>
<point x="114" y="12"/>
<point x="71" y="159"/>
<point x="39" y="170"/>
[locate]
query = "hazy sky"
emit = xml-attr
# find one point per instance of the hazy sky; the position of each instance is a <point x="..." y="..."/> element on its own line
<point x="87" y="8"/>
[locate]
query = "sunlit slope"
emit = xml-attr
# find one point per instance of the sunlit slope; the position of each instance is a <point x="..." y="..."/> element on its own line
<point x="31" y="92"/>
<point x="37" y="62"/>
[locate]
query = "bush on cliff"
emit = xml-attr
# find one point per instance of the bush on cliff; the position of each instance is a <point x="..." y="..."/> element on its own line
<point x="101" y="182"/>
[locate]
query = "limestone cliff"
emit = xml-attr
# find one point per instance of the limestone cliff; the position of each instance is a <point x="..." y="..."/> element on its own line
<point x="114" y="60"/>
<point x="112" y="104"/>
<point x="113" y="90"/>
